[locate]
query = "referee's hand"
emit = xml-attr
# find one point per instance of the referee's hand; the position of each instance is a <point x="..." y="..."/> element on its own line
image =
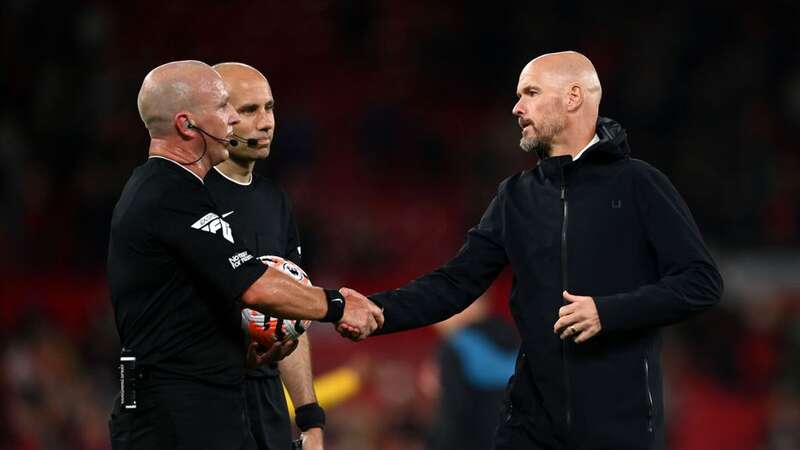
<point x="361" y="316"/>
<point x="258" y="355"/>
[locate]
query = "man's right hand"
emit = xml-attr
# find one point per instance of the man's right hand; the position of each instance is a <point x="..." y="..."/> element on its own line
<point x="361" y="317"/>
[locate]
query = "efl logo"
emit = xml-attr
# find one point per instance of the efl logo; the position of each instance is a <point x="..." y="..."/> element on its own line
<point x="239" y="259"/>
<point x="213" y="223"/>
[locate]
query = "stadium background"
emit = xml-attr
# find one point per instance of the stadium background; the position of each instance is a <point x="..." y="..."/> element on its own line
<point x="394" y="128"/>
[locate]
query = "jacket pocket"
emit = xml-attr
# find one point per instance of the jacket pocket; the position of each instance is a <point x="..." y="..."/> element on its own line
<point x="649" y="394"/>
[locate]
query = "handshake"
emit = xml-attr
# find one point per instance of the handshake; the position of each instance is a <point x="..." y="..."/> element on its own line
<point x="361" y="316"/>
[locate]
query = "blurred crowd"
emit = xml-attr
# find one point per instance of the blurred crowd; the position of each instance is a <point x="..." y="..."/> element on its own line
<point x="394" y="128"/>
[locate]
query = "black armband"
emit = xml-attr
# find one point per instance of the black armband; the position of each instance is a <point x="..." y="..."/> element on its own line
<point x="335" y="306"/>
<point x="309" y="416"/>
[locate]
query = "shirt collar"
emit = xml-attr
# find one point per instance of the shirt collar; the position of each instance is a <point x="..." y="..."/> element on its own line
<point x="594" y="140"/>
<point x="249" y="182"/>
<point x="177" y="164"/>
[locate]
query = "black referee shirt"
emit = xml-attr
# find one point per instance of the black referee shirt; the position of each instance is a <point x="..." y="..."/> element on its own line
<point x="261" y="214"/>
<point x="176" y="270"/>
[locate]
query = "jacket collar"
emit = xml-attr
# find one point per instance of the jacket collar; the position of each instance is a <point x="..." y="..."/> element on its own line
<point x="613" y="145"/>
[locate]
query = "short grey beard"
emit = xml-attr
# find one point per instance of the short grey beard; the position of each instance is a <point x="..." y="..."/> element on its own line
<point x="542" y="149"/>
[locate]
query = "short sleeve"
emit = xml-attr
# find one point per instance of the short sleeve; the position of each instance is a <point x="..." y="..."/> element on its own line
<point x="293" y="251"/>
<point x="188" y="222"/>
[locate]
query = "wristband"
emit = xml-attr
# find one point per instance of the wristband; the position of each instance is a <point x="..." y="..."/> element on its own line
<point x="309" y="416"/>
<point x="335" y="306"/>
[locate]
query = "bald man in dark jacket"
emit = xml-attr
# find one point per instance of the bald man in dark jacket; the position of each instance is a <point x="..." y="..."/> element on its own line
<point x="604" y="253"/>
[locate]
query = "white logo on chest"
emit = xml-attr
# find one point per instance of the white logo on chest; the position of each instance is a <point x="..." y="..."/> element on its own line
<point x="213" y="223"/>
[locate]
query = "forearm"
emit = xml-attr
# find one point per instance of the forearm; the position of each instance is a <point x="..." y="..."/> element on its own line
<point x="297" y="375"/>
<point x="689" y="279"/>
<point x="436" y="296"/>
<point x="277" y="294"/>
<point x="418" y="304"/>
<point x="674" y="298"/>
<point x="334" y="387"/>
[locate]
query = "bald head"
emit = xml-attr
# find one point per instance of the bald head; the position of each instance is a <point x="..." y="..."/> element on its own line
<point x="174" y="87"/>
<point x="234" y="71"/>
<point x="563" y="70"/>
<point x="242" y="80"/>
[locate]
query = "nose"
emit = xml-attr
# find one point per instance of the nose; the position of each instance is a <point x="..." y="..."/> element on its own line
<point x="266" y="121"/>
<point x="517" y="110"/>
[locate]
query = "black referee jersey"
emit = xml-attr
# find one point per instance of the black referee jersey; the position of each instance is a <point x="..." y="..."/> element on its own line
<point x="176" y="269"/>
<point x="261" y="214"/>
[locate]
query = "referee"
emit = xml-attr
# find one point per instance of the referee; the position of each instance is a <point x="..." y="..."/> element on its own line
<point x="178" y="276"/>
<point x="262" y="215"/>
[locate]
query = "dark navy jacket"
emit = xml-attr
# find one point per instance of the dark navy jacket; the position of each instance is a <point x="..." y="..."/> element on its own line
<point x="607" y="226"/>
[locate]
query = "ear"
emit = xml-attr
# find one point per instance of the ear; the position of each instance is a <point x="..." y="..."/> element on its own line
<point x="574" y="97"/>
<point x="184" y="125"/>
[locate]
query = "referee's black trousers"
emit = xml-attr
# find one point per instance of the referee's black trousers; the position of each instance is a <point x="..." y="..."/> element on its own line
<point x="182" y="415"/>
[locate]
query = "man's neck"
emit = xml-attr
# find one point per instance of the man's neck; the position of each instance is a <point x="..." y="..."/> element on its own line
<point x="236" y="170"/>
<point x="572" y="145"/>
<point x="176" y="153"/>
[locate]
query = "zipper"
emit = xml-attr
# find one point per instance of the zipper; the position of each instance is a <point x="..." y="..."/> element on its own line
<point x="564" y="285"/>
<point x="649" y="396"/>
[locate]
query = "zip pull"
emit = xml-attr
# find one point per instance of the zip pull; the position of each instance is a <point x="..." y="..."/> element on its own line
<point x="563" y="191"/>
